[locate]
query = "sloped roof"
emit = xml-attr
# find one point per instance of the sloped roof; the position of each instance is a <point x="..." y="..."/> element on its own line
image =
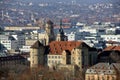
<point x="10" y="58"/>
<point x="36" y="45"/>
<point x="104" y="68"/>
<point x="112" y="42"/>
<point x="112" y="48"/>
<point x="57" y="47"/>
<point x="49" y="22"/>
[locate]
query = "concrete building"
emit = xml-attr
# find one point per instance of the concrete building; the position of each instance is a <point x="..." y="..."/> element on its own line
<point x="9" y="44"/>
<point x="25" y="49"/>
<point x="17" y="28"/>
<point x="21" y="40"/>
<point x="111" y="37"/>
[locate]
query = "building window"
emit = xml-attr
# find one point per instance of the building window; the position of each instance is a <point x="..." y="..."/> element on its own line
<point x="55" y="56"/>
<point x="48" y="56"/>
<point x="59" y="57"/>
<point x="52" y="56"/>
<point x="33" y="61"/>
<point x="88" y="78"/>
<point x="58" y="62"/>
<point x="49" y="61"/>
<point x="103" y="78"/>
<point x="113" y="78"/>
<point x="52" y="61"/>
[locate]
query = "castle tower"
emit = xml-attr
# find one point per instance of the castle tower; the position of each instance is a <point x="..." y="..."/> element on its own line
<point x="36" y="54"/>
<point x="49" y="28"/>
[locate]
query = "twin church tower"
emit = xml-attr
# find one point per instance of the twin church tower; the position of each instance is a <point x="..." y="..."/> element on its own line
<point x="50" y="36"/>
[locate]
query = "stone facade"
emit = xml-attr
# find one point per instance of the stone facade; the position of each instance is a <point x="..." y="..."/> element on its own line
<point x="36" y="54"/>
<point x="69" y="53"/>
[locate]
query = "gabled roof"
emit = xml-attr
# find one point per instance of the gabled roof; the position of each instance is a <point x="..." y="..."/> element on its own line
<point x="112" y="48"/>
<point x="36" y="45"/>
<point x="57" y="47"/>
<point x="50" y="22"/>
<point x="112" y="42"/>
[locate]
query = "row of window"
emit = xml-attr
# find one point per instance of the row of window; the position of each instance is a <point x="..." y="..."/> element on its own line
<point x="6" y="41"/>
<point x="98" y="78"/>
<point x="54" y="62"/>
<point x="11" y="62"/>
<point x="112" y="38"/>
<point x="54" y="57"/>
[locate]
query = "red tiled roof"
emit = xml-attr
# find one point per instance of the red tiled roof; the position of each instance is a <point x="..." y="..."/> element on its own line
<point x="111" y="48"/>
<point x="57" y="47"/>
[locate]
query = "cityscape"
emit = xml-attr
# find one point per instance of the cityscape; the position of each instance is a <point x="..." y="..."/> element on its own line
<point x="59" y="40"/>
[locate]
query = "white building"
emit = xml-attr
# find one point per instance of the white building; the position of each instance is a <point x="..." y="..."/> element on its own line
<point x="71" y="36"/>
<point x="25" y="49"/>
<point x="21" y="40"/>
<point x="9" y="44"/>
<point x="111" y="37"/>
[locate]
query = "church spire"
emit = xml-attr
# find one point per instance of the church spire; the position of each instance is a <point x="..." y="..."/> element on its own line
<point x="61" y="31"/>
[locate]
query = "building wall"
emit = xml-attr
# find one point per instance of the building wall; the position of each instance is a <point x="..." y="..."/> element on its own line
<point x="111" y="37"/>
<point x="102" y="71"/>
<point x="16" y="28"/>
<point x="75" y="57"/>
<point x="92" y="57"/>
<point x="77" y="54"/>
<point x="71" y="36"/>
<point x="9" y="44"/>
<point x="53" y="60"/>
<point x="36" y="57"/>
<point x="100" y="77"/>
<point x="29" y="42"/>
<point x="21" y="40"/>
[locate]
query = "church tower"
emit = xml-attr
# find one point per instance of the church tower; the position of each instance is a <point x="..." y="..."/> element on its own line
<point x="61" y="36"/>
<point x="36" y="54"/>
<point x="49" y="28"/>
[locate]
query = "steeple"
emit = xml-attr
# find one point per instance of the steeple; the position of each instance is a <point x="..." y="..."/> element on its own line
<point x="61" y="31"/>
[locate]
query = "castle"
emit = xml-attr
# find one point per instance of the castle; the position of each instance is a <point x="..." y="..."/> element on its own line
<point x="60" y="53"/>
